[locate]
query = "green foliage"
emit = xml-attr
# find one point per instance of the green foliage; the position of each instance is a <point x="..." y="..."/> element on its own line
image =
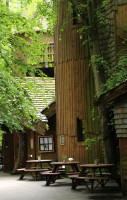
<point x="105" y="2"/>
<point x="64" y="157"/>
<point x="88" y="143"/>
<point x="18" y="57"/>
<point x="116" y="75"/>
<point x="94" y="114"/>
<point x="93" y="16"/>
<point x="113" y="76"/>
<point x="15" y="102"/>
<point x="1" y="133"/>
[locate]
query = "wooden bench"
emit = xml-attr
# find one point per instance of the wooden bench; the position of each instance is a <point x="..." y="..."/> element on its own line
<point x="98" y="174"/>
<point x="50" y="176"/>
<point x="31" y="171"/>
<point x="72" y="173"/>
<point x="62" y="171"/>
<point x="77" y="180"/>
<point x="22" y="173"/>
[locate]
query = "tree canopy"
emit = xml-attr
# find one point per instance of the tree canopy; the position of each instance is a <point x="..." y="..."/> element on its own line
<point x="19" y="17"/>
<point x="18" y="56"/>
<point x="92" y="13"/>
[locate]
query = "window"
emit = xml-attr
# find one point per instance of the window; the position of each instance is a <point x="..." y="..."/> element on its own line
<point x="48" y="54"/>
<point x="80" y="129"/>
<point x="46" y="144"/>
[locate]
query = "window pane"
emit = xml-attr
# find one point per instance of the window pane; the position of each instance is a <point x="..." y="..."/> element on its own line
<point x="42" y="147"/>
<point x="41" y="140"/>
<point x="46" y="147"/>
<point x="50" y="140"/>
<point x="45" y="140"/>
<point x="50" y="147"/>
<point x="46" y="143"/>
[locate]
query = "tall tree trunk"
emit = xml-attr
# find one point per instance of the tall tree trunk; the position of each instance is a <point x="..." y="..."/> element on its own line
<point x="93" y="39"/>
<point x="98" y="80"/>
<point x="21" y="152"/>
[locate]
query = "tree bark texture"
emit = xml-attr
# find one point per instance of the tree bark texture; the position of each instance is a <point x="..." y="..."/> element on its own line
<point x="21" y="152"/>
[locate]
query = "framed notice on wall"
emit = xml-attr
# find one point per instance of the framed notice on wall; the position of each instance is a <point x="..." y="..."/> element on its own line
<point x="62" y="140"/>
<point x="46" y="144"/>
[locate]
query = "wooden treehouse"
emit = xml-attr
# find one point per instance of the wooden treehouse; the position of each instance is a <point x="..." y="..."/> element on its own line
<point x="74" y="91"/>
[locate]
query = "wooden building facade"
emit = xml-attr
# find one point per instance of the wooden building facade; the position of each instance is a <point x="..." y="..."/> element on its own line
<point x="40" y="142"/>
<point x="113" y="46"/>
<point x="34" y="145"/>
<point x="118" y="96"/>
<point x="74" y="90"/>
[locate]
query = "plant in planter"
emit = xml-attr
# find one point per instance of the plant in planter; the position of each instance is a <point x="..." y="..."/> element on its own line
<point x="64" y="158"/>
<point x="96" y="161"/>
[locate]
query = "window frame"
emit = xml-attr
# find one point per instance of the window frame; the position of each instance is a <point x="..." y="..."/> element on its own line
<point x="48" y="53"/>
<point x="46" y="149"/>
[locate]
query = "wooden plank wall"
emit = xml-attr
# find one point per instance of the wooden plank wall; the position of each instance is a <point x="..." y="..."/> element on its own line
<point x="107" y="31"/>
<point x="35" y="137"/>
<point x="121" y="24"/>
<point x="74" y="89"/>
<point x="8" y="152"/>
<point x="123" y="157"/>
<point x="120" y="116"/>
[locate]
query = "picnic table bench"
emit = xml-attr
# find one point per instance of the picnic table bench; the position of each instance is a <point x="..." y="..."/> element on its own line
<point x="33" y="171"/>
<point x="77" y="180"/>
<point x="52" y="175"/>
<point x="89" y="178"/>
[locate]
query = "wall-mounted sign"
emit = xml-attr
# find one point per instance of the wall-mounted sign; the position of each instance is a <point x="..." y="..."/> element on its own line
<point x="62" y="140"/>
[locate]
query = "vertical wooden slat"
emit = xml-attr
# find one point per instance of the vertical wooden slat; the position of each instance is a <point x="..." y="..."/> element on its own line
<point x="74" y="88"/>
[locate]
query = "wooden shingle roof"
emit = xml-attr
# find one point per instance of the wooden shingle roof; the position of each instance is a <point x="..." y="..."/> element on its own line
<point x="112" y="94"/>
<point x="45" y="92"/>
<point x="50" y="111"/>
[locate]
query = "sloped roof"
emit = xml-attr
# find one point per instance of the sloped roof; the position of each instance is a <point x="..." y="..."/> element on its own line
<point x="112" y="94"/>
<point x="45" y="92"/>
<point x="50" y="111"/>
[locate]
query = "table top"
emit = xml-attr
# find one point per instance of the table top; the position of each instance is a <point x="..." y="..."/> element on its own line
<point x="39" y="161"/>
<point x="64" y="163"/>
<point x="103" y="165"/>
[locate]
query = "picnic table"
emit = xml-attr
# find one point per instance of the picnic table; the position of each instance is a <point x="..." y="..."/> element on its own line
<point x="52" y="175"/>
<point x="91" y="173"/>
<point x="34" y="167"/>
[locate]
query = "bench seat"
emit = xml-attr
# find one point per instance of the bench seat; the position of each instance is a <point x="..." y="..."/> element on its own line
<point x="21" y="169"/>
<point x="49" y="173"/>
<point x="91" y="178"/>
<point x="33" y="171"/>
<point x="50" y="176"/>
<point x="86" y="180"/>
<point x="98" y="174"/>
<point x="73" y="176"/>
